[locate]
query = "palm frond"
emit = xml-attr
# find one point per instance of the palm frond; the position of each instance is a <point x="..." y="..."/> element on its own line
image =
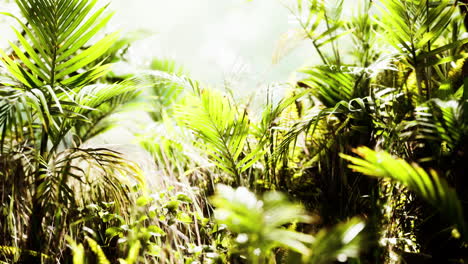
<point x="441" y="121"/>
<point x="323" y="124"/>
<point x="430" y="186"/>
<point x="222" y="129"/>
<point x="271" y="115"/>
<point x="172" y="146"/>
<point x="22" y="111"/>
<point x="321" y="23"/>
<point x="56" y="31"/>
<point x="96" y="104"/>
<point x="10" y="122"/>
<point x="330" y="85"/>
<point x="165" y="92"/>
<point x="101" y="172"/>
<point x="416" y="29"/>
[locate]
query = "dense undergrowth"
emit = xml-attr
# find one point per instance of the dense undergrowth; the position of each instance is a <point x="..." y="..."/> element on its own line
<point x="288" y="183"/>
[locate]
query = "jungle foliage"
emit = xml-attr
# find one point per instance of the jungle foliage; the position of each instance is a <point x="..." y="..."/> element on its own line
<point x="362" y="161"/>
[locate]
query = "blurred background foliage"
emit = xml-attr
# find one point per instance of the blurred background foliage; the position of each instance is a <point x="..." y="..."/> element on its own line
<point x="265" y="132"/>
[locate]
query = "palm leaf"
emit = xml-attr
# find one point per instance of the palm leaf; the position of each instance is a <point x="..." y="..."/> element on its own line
<point x="222" y="129"/>
<point x="414" y="28"/>
<point x="56" y="31"/>
<point x="329" y="84"/>
<point x="100" y="172"/>
<point x="430" y="186"/>
<point x="440" y="121"/>
<point x="165" y="93"/>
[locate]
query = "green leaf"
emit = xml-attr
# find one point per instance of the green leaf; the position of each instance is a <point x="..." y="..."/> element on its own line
<point x="114" y="231"/>
<point x="259" y="223"/>
<point x="343" y="241"/>
<point x="143" y="200"/>
<point x="183" y="197"/>
<point x="79" y="38"/>
<point x="49" y="53"/>
<point x="222" y="129"/>
<point x="429" y="186"/>
<point x="87" y="56"/>
<point x="101" y="257"/>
